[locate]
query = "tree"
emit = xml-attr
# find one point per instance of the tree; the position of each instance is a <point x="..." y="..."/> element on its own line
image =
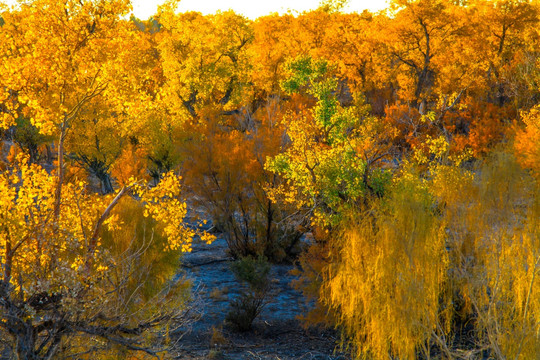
<point x="416" y="37"/>
<point x="334" y="159"/>
<point x="61" y="277"/>
<point x="386" y="275"/>
<point x="227" y="127"/>
<point x="60" y="280"/>
<point x="204" y="62"/>
<point x="500" y="36"/>
<point x="451" y="256"/>
<point x="334" y="162"/>
<point x="60" y="57"/>
<point x="224" y="170"/>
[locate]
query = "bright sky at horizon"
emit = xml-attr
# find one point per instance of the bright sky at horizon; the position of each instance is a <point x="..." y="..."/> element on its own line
<point x="252" y="9"/>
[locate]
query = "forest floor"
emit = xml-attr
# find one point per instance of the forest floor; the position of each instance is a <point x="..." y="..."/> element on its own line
<point x="277" y="333"/>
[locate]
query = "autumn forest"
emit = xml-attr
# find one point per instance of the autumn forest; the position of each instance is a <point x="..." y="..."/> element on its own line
<point x="392" y="157"/>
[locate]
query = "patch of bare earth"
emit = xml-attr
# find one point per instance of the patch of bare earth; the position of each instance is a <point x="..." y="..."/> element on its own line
<point x="276" y="333"/>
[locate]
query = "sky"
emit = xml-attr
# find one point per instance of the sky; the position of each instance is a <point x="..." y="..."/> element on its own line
<point x="252" y="9"/>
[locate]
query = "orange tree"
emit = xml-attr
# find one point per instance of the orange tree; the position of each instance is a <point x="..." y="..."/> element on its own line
<point x="227" y="118"/>
<point x="501" y="37"/>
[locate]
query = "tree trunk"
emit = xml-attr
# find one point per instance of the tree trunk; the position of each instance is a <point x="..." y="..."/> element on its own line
<point x="26" y="342"/>
<point x="60" y="174"/>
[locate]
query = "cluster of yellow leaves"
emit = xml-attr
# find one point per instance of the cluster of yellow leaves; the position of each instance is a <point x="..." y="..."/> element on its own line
<point x="44" y="254"/>
<point x="203" y="60"/>
<point x="41" y="252"/>
<point x="61" y="52"/>
<point x="163" y="204"/>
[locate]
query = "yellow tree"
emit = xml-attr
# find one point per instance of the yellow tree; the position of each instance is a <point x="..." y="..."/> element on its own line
<point x="204" y="61"/>
<point x="450" y="253"/>
<point x="109" y="127"/>
<point x="527" y="141"/>
<point x="386" y="274"/>
<point x="59" y="279"/>
<point x="59" y="57"/>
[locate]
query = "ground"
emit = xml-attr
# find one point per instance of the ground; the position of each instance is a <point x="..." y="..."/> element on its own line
<point x="277" y="333"/>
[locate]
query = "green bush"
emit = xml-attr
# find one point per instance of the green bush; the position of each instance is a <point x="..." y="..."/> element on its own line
<point x="254" y="274"/>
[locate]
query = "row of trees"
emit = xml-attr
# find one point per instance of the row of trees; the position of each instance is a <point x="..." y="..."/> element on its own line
<point x="373" y="132"/>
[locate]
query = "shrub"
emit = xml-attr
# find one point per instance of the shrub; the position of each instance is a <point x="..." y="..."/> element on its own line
<point x="254" y="274"/>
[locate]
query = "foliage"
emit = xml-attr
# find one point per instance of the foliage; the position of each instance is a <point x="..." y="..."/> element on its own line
<point x="387" y="273"/>
<point x="328" y="164"/>
<point x="448" y="260"/>
<point x="29" y="139"/>
<point x="56" y="272"/>
<point x="224" y="170"/>
<point x="204" y="61"/>
<point x="495" y="255"/>
<point x="226" y="138"/>
<point x="384" y="138"/>
<point x="62" y="279"/>
<point x="527" y="141"/>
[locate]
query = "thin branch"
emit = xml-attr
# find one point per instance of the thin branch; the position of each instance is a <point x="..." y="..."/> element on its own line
<point x="105" y="216"/>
